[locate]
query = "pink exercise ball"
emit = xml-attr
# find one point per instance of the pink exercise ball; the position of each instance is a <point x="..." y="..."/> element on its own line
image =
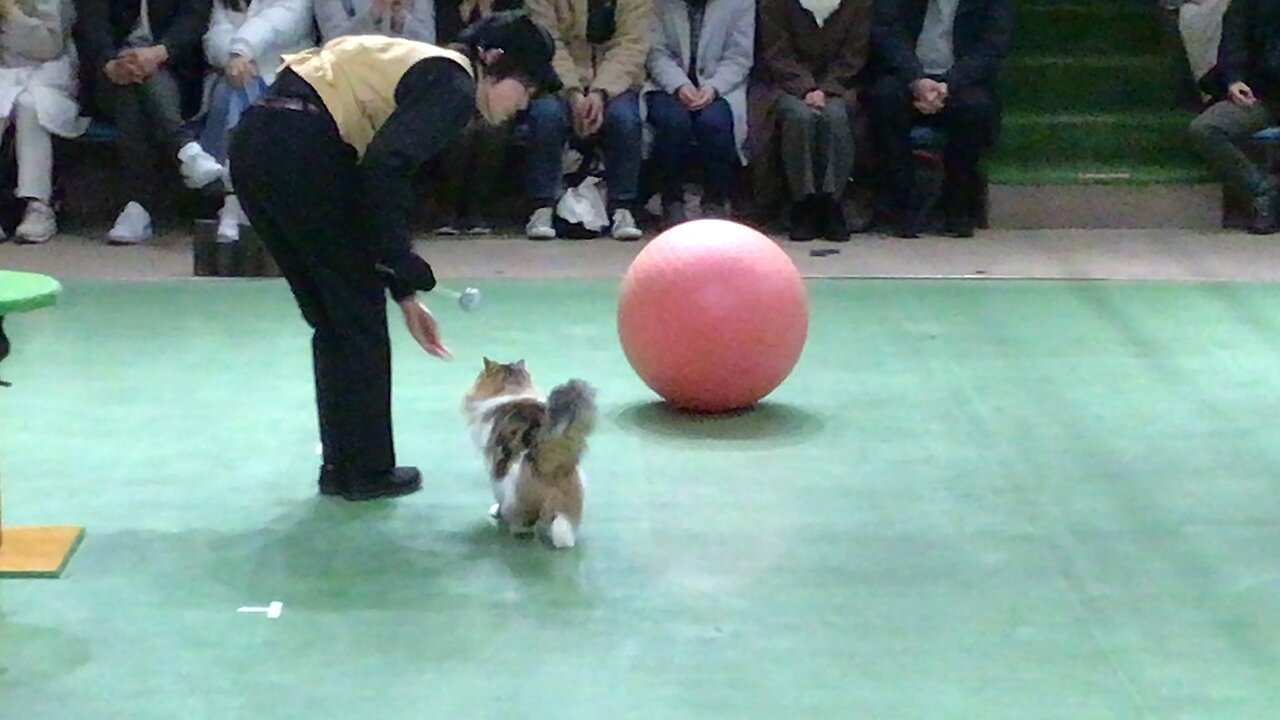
<point x="712" y="315"/>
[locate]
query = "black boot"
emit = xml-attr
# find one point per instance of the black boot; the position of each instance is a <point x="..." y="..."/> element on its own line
<point x="957" y="225"/>
<point x="834" y="227"/>
<point x="356" y="488"/>
<point x="957" y="205"/>
<point x="805" y="219"/>
<point x="910" y="222"/>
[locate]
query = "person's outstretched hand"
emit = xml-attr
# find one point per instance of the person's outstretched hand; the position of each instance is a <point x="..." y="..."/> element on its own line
<point x="423" y="327"/>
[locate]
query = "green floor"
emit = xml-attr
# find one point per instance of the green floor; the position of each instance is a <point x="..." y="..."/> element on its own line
<point x="971" y="500"/>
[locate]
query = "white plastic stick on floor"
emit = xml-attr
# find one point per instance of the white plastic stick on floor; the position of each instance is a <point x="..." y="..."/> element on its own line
<point x="273" y="610"/>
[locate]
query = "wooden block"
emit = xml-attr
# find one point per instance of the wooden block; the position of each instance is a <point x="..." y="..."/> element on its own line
<point x="37" y="552"/>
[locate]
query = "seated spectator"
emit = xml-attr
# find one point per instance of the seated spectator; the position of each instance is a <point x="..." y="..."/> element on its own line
<point x="472" y="167"/>
<point x="411" y="19"/>
<point x="600" y="55"/>
<point x="38" y="92"/>
<point x="244" y="45"/>
<point x="1247" y="63"/>
<point x="452" y="16"/>
<point x="1200" y="24"/>
<point x="939" y="61"/>
<point x="698" y="63"/>
<point x="804" y="98"/>
<point x="141" y="55"/>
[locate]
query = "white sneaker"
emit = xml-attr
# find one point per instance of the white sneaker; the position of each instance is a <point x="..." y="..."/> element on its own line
<point x="624" y="226"/>
<point x="38" y="224"/>
<point x="198" y="167"/>
<point x="541" y="224"/>
<point x="230" y="218"/>
<point x="133" y="226"/>
<point x="477" y="227"/>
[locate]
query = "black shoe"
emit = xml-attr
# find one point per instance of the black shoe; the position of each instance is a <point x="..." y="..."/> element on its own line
<point x="804" y="220"/>
<point x="1265" y="220"/>
<point x="958" y="226"/>
<point x="394" y="483"/>
<point x="835" y="227"/>
<point x="330" y="483"/>
<point x="909" y="225"/>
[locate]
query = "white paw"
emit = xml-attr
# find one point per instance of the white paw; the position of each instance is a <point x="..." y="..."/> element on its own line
<point x="562" y="535"/>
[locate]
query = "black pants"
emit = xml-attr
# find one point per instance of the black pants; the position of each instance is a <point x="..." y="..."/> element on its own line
<point x="970" y="118"/>
<point x="148" y="117"/>
<point x="300" y="186"/>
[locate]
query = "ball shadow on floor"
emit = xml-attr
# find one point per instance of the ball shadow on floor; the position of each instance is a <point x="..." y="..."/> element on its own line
<point x="766" y="423"/>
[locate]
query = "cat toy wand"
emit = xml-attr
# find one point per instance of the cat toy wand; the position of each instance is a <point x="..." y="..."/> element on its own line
<point x="468" y="299"/>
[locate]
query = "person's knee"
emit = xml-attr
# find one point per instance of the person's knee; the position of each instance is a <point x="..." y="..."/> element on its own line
<point x="622" y="115"/>
<point x="122" y="102"/>
<point x="716" y="117"/>
<point x="25" y="103"/>
<point x="714" y="123"/>
<point x="667" y="115"/>
<point x="549" y="115"/>
<point x="793" y="109"/>
<point x="1204" y="128"/>
<point x="835" y="114"/>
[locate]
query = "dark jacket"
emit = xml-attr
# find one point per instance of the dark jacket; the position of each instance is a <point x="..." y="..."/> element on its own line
<point x="794" y="55"/>
<point x="102" y="26"/>
<point x="981" y="38"/>
<point x="449" y="20"/>
<point x="1250" y="47"/>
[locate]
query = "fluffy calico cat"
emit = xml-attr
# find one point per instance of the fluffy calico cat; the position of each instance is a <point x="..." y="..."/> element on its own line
<point x="532" y="448"/>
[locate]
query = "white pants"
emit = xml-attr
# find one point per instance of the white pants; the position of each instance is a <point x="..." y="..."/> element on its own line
<point x="1200" y="24"/>
<point x="34" y="150"/>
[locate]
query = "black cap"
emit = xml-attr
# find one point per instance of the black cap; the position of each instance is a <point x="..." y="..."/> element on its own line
<point x="527" y="47"/>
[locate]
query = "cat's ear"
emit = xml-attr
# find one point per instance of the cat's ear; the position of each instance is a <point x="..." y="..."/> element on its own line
<point x="488" y="364"/>
<point x="519" y="364"/>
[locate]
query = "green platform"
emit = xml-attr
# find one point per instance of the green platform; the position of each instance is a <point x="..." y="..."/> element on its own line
<point x="972" y="500"/>
<point x="23" y="291"/>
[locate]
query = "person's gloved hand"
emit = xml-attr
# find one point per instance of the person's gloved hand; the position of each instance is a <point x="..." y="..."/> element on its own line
<point x="406" y="275"/>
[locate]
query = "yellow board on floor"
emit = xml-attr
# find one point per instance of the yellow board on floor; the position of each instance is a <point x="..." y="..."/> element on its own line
<point x="37" y="552"/>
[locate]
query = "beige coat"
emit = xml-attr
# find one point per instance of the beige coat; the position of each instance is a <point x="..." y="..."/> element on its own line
<point x="615" y="66"/>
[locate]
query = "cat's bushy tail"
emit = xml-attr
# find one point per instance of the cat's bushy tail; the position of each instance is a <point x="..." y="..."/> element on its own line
<point x="570" y="418"/>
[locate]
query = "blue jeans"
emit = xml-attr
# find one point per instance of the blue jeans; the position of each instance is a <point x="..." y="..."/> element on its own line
<point x="550" y="124"/>
<point x="226" y="103"/>
<point x="682" y="137"/>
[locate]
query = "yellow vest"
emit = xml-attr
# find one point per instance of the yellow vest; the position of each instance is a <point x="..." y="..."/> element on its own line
<point x="356" y="78"/>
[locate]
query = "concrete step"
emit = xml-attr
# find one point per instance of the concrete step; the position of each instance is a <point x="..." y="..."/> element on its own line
<point x="1052" y="207"/>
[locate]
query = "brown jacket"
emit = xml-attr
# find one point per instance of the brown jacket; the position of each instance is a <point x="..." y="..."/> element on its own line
<point x="795" y="55"/>
<point x="614" y="66"/>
